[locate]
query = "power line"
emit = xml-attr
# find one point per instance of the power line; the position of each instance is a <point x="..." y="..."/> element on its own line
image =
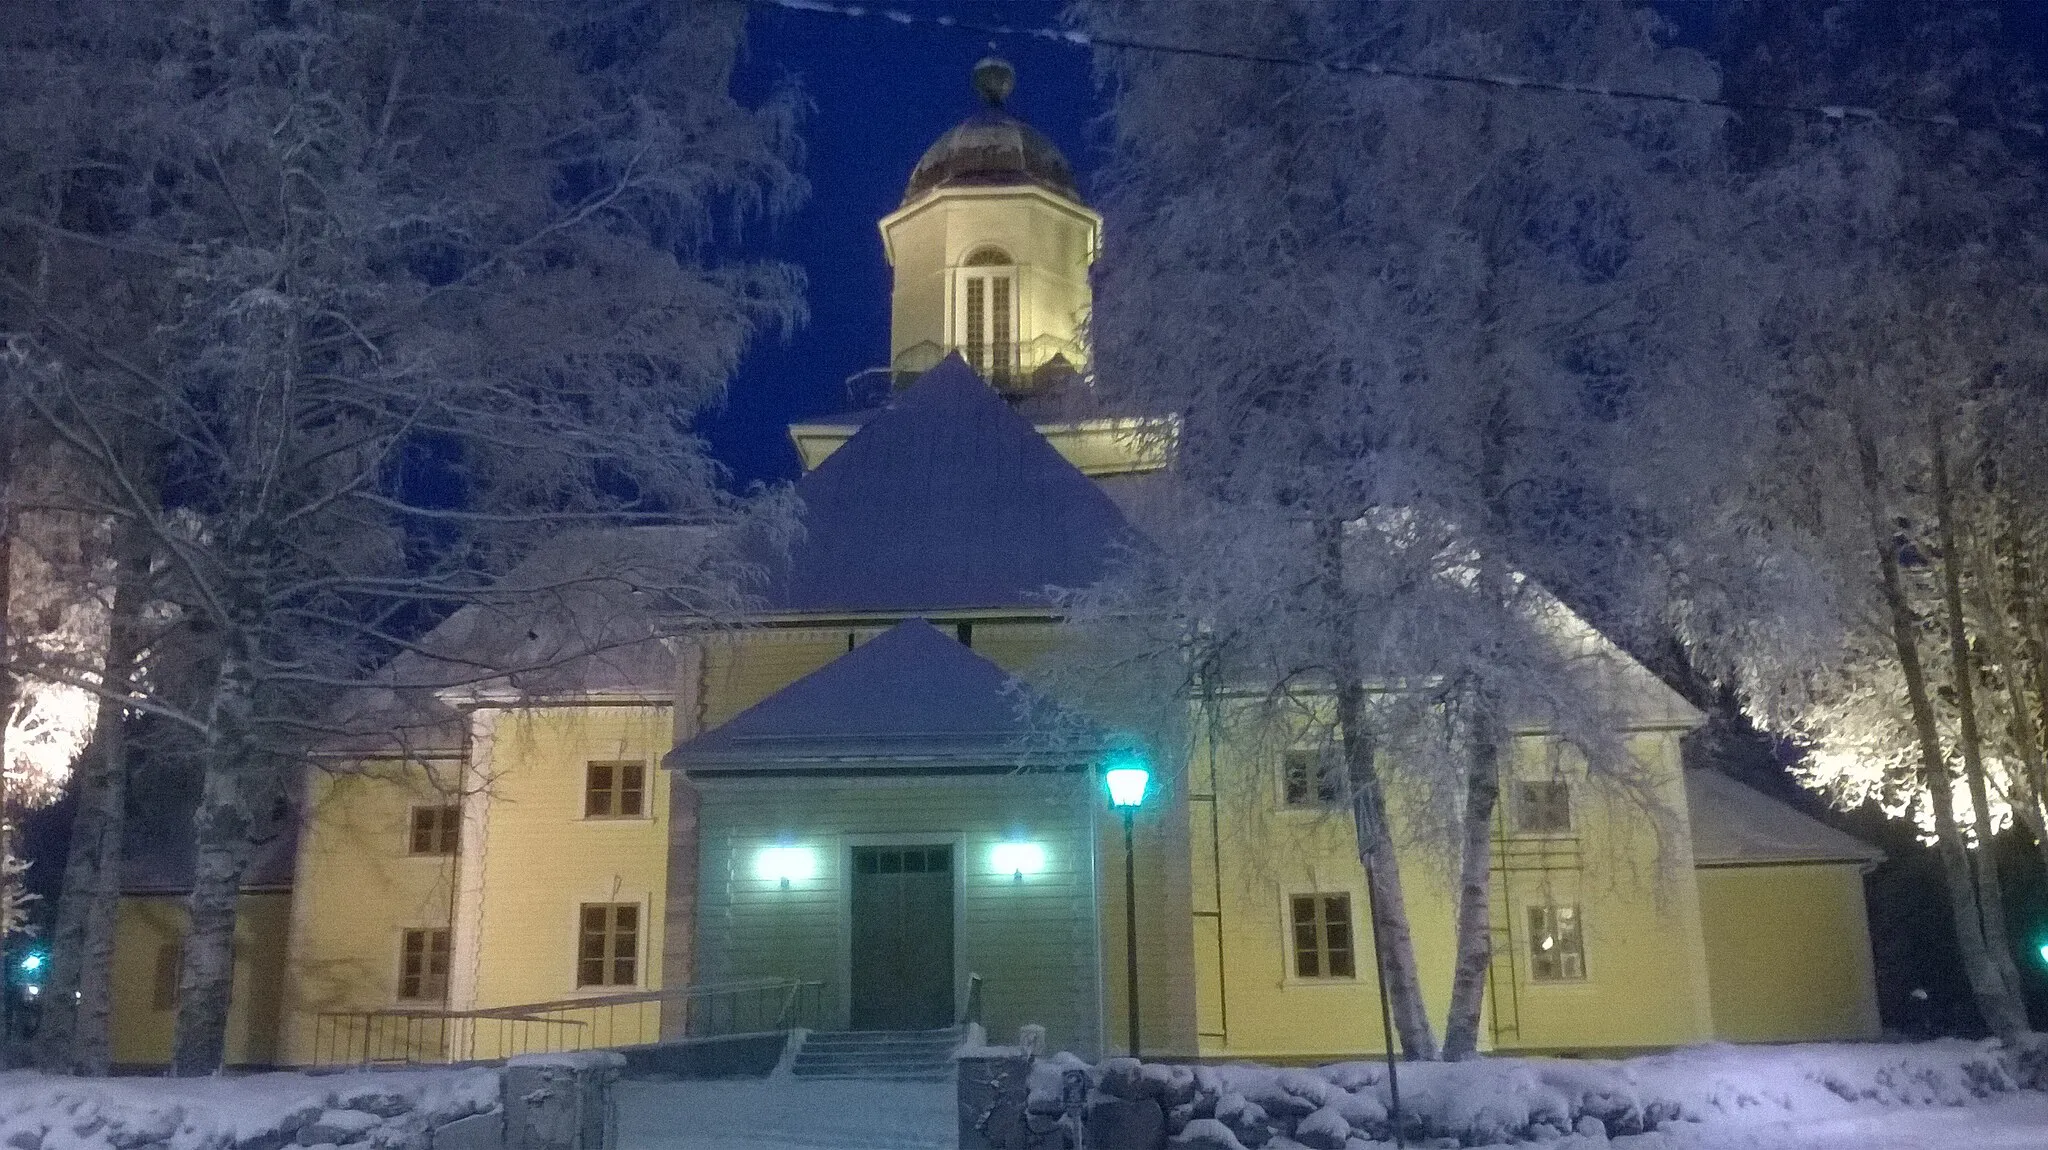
<point x="1078" y="39"/>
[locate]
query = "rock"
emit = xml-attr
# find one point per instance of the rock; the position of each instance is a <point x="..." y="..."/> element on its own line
<point x="476" y="1132"/>
<point x="1590" y="1127"/>
<point x="1363" y="1110"/>
<point x="27" y="1138"/>
<point x="1325" y="1129"/>
<point x="382" y="1103"/>
<point x="1125" y="1078"/>
<point x="1175" y="1085"/>
<point x="1126" y="1124"/>
<point x="88" y="1126"/>
<point x="266" y="1140"/>
<point x="1245" y="1118"/>
<point x="339" y="1128"/>
<point x="1177" y="1119"/>
<point x="1206" y="1134"/>
<point x="157" y="1127"/>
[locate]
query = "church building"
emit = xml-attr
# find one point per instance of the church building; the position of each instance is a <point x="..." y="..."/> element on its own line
<point x="843" y="815"/>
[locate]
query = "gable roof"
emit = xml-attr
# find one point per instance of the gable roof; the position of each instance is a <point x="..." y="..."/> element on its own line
<point x="910" y="700"/>
<point x="944" y="500"/>
<point x="1735" y="825"/>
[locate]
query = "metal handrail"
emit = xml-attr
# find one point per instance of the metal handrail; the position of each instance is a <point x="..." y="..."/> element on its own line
<point x="414" y="1035"/>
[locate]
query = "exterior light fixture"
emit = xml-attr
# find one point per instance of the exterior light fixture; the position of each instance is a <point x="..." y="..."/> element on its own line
<point x="784" y="865"/>
<point x="2044" y="954"/>
<point x="1017" y="859"/>
<point x="32" y="962"/>
<point x="1128" y="776"/>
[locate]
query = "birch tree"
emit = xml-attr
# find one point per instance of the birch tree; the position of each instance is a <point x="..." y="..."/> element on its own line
<point x="1403" y="326"/>
<point x="346" y="308"/>
<point x="1878" y="598"/>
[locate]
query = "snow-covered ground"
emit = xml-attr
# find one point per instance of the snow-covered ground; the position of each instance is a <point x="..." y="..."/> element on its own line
<point x="787" y="1114"/>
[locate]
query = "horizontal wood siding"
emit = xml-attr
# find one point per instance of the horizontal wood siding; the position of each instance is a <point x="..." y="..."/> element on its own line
<point x="1032" y="941"/>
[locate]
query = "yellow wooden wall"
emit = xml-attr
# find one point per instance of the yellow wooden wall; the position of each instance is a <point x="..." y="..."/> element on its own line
<point x="530" y="859"/>
<point x="357" y="890"/>
<point x="1646" y="979"/>
<point x="1788" y="952"/>
<point x="142" y="1032"/>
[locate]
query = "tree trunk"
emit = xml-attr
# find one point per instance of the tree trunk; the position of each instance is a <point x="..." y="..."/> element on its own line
<point x="226" y="828"/>
<point x="1388" y="907"/>
<point x="1990" y="888"/>
<point x="1475" y="882"/>
<point x="2002" y="1012"/>
<point x="74" y="1035"/>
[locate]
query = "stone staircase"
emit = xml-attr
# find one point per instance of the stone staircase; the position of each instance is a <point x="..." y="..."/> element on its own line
<point x="878" y="1055"/>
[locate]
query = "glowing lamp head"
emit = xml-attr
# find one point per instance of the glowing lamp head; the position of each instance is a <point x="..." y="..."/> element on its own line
<point x="785" y="865"/>
<point x="32" y="962"/>
<point x="1016" y="859"/>
<point x="2044" y="954"/>
<point x="1127" y="778"/>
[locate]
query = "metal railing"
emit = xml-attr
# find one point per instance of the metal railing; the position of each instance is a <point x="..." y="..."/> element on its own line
<point x="426" y="1035"/>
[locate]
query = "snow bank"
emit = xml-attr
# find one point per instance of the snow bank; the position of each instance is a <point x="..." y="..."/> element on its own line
<point x="397" y="1110"/>
<point x="1497" y="1100"/>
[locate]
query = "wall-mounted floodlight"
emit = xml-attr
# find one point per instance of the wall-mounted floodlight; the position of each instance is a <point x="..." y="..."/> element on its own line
<point x="1017" y="859"/>
<point x="784" y="865"/>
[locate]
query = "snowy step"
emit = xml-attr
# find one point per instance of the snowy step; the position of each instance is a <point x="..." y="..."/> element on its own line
<point x="878" y="1055"/>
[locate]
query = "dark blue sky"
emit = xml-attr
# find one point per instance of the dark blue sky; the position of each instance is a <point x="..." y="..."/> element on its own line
<point x="882" y="93"/>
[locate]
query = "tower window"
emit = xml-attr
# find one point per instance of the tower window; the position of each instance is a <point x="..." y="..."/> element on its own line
<point x="985" y="318"/>
<point x="1557" y="946"/>
<point x="614" y="790"/>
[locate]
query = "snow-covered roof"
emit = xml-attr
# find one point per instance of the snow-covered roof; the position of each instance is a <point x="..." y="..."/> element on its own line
<point x="157" y="848"/>
<point x="1735" y="825"/>
<point x="945" y="500"/>
<point x="911" y="700"/>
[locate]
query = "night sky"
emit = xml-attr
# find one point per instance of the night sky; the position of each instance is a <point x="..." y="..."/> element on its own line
<point x="883" y="92"/>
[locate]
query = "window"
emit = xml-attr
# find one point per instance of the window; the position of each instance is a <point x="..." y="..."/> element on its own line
<point x="1557" y="948"/>
<point x="1312" y="778"/>
<point x="1543" y="808"/>
<point x="423" y="966"/>
<point x="436" y="830"/>
<point x="986" y="313"/>
<point x="614" y="790"/>
<point x="902" y="860"/>
<point x="608" y="944"/>
<point x="170" y="957"/>
<point x="1322" y="936"/>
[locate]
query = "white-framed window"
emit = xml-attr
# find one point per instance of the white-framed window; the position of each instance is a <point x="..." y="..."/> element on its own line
<point x="1541" y="807"/>
<point x="1557" y="943"/>
<point x="985" y="313"/>
<point x="1324" y="943"/>
<point x="1312" y="777"/>
<point x="423" y="965"/>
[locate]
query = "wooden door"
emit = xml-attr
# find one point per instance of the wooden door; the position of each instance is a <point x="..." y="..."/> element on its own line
<point x="902" y="938"/>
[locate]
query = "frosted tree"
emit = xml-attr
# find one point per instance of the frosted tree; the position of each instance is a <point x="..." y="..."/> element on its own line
<point x="1870" y="580"/>
<point x="339" y="311"/>
<point x="1409" y="331"/>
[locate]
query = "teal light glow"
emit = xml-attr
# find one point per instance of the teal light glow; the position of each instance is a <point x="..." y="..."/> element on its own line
<point x="1128" y="781"/>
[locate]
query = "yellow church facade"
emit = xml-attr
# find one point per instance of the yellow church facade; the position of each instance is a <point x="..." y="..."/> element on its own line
<point x="841" y="816"/>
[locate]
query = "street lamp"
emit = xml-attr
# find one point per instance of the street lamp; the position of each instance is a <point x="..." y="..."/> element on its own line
<point x="1127" y="776"/>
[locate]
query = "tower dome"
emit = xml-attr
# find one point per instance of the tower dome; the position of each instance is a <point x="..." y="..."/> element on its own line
<point x="991" y="147"/>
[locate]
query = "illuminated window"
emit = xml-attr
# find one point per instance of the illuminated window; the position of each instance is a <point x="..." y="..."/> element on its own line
<point x="436" y="830"/>
<point x="423" y="966"/>
<point x="1557" y="947"/>
<point x="164" y="992"/>
<point x="608" y="944"/>
<point x="614" y="790"/>
<point x="1323" y="946"/>
<point x="986" y="311"/>
<point x="1542" y="808"/>
<point x="1312" y="778"/>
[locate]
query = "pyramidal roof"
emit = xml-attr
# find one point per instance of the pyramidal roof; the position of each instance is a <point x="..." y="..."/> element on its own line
<point x="910" y="700"/>
<point x="1736" y="825"/>
<point x="946" y="499"/>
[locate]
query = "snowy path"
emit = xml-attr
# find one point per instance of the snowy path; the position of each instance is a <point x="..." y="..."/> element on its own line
<point x="786" y="1114"/>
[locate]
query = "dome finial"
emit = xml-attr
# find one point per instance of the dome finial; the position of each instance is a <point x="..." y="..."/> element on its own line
<point x="994" y="78"/>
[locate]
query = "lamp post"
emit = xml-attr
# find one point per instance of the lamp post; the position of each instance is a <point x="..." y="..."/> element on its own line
<point x="1127" y="778"/>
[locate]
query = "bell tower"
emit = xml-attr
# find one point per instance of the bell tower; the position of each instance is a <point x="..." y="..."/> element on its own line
<point x="990" y="251"/>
